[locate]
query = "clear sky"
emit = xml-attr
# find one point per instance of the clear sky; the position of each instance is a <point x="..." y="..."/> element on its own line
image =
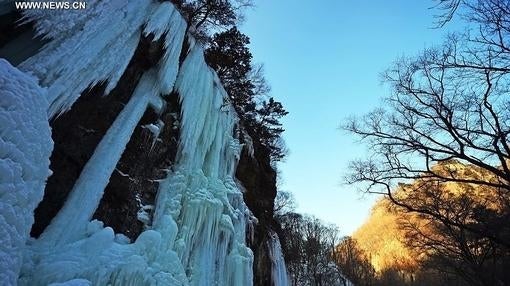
<point x="323" y="59"/>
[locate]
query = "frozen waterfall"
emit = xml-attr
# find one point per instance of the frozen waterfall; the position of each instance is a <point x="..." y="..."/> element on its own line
<point x="199" y="224"/>
<point x="278" y="268"/>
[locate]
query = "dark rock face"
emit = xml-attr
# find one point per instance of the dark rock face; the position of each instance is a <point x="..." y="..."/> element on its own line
<point x="9" y="27"/>
<point x="77" y="132"/>
<point x="18" y="40"/>
<point x="135" y="181"/>
<point x="259" y="179"/>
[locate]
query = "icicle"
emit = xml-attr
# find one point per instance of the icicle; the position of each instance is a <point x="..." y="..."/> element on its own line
<point x="95" y="45"/>
<point x="88" y="189"/>
<point x="87" y="47"/>
<point x="201" y="195"/>
<point x="166" y="20"/>
<point x="248" y="143"/>
<point x="279" y="276"/>
<point x="201" y="93"/>
<point x="155" y="129"/>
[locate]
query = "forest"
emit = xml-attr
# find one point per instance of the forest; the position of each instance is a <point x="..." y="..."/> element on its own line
<point x="439" y="156"/>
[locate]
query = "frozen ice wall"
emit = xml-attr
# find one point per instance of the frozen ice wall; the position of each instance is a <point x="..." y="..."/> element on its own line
<point x="279" y="274"/>
<point x="204" y="198"/>
<point x="25" y="147"/>
<point x="198" y="232"/>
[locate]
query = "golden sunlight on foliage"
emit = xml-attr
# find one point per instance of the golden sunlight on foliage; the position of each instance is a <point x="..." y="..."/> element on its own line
<point x="437" y="226"/>
<point x="382" y="241"/>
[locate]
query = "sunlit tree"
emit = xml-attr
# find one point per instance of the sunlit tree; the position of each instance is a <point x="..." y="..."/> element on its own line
<point x="449" y="107"/>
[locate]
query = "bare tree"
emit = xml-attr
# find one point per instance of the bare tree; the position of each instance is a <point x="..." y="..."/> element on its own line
<point x="450" y="103"/>
<point x="284" y="203"/>
<point x="309" y="249"/>
<point x="261" y="86"/>
<point x="206" y="16"/>
<point x="354" y="263"/>
<point x="449" y="112"/>
<point x="446" y="247"/>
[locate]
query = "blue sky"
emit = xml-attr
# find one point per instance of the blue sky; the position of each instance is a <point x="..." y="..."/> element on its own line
<point x="323" y="60"/>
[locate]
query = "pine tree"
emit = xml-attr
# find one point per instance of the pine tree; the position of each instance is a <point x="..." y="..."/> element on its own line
<point x="228" y="54"/>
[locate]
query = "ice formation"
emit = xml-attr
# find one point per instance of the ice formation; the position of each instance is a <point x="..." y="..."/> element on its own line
<point x="205" y="200"/>
<point x="88" y="189"/>
<point x="166" y="21"/>
<point x="74" y="282"/>
<point x="87" y="47"/>
<point x="278" y="268"/>
<point x="200" y="222"/>
<point x="25" y="147"/>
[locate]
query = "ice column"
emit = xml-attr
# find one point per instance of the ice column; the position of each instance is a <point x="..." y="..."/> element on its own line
<point x="201" y="195"/>
<point x="279" y="274"/>
<point x="88" y="190"/>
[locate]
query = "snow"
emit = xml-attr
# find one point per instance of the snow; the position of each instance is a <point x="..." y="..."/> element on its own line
<point x="248" y="143"/>
<point x="25" y="148"/>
